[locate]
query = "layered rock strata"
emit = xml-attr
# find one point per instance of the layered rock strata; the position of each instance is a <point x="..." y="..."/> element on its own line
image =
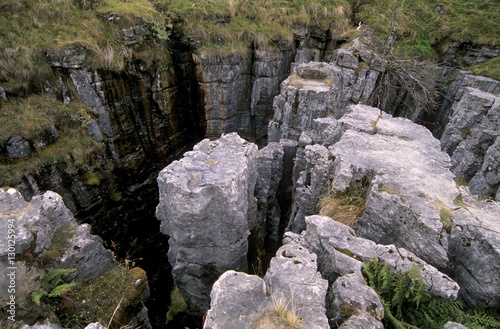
<point x="316" y="90"/>
<point x="207" y="208"/>
<point x="412" y="198"/>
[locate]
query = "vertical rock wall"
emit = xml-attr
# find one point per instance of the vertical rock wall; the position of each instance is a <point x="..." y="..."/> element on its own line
<point x="237" y="91"/>
<point x="471" y="133"/>
<point x="207" y="208"/>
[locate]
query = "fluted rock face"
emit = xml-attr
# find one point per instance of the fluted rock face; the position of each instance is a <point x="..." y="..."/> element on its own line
<point x="471" y="138"/>
<point x="142" y="116"/>
<point x="207" y="208"/>
<point x="237" y="91"/>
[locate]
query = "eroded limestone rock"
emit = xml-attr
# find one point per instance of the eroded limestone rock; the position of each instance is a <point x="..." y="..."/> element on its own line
<point x="292" y="282"/>
<point x="471" y="138"/>
<point x="412" y="197"/>
<point x="39" y="236"/>
<point x="207" y="208"/>
<point x="340" y="252"/>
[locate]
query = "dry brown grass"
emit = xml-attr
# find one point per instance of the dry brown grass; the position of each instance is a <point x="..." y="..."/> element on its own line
<point x="281" y="315"/>
<point x="348" y="206"/>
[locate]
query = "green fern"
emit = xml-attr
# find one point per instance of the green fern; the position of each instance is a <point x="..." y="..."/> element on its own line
<point x="37" y="295"/>
<point x="408" y="305"/>
<point x="55" y="277"/>
<point x="61" y="289"/>
<point x="53" y="281"/>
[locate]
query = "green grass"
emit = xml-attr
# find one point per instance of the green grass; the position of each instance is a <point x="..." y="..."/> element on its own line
<point x="95" y="300"/>
<point x="232" y="25"/>
<point x="426" y="26"/>
<point x="490" y="68"/>
<point x="130" y="9"/>
<point x="29" y="117"/>
<point x="28" y="28"/>
<point x="177" y="305"/>
<point x="74" y="148"/>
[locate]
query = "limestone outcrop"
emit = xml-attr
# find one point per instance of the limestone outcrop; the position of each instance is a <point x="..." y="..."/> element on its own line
<point x="341" y="252"/>
<point x="319" y="89"/>
<point x="317" y="276"/>
<point x="207" y="208"/>
<point x="471" y="133"/>
<point x="412" y="198"/>
<point x="292" y="284"/>
<point x="237" y="91"/>
<point x="41" y="236"/>
<point x="411" y="193"/>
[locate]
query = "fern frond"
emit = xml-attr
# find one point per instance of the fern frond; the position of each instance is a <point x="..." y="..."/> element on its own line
<point x="408" y="305"/>
<point x="61" y="289"/>
<point x="55" y="277"/>
<point x="484" y="318"/>
<point x="37" y="295"/>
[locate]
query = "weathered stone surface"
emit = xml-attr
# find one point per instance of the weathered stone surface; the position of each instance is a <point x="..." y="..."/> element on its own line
<point x="470" y="138"/>
<point x="3" y="95"/>
<point x="386" y="159"/>
<point x="18" y="147"/>
<point x="352" y="297"/>
<point x="454" y="325"/>
<point x="474" y="251"/>
<point x="411" y="186"/>
<point x="292" y="281"/>
<point x="311" y="174"/>
<point x="361" y="321"/>
<point x="317" y="90"/>
<point x="40" y="235"/>
<point x="73" y="57"/>
<point x="341" y="252"/>
<point x="237" y="91"/>
<point x="293" y="277"/>
<point x="237" y="300"/>
<point x="463" y="54"/>
<point x="207" y="207"/>
<point x="270" y="172"/>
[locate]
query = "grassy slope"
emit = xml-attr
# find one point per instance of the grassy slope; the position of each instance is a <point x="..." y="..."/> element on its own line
<point x="29" y="27"/>
<point x="234" y="24"/>
<point x="424" y="26"/>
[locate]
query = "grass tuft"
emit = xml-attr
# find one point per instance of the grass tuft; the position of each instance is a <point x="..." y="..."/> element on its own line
<point x="99" y="299"/>
<point x="348" y="206"/>
<point x="445" y="214"/>
<point x="31" y="118"/>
